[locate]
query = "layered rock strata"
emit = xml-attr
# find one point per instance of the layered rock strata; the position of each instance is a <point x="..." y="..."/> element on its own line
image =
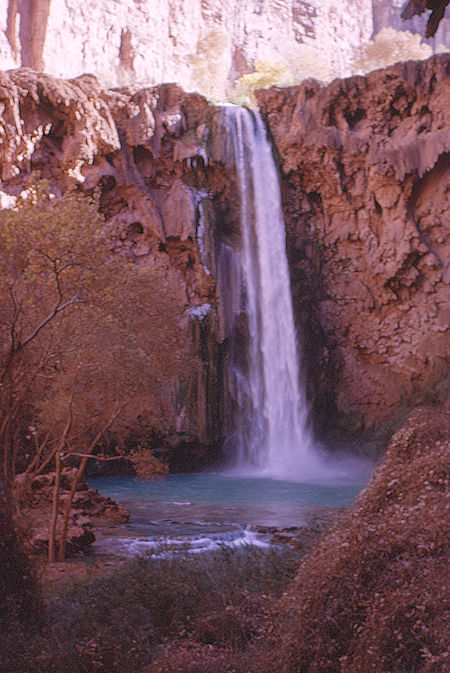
<point x="203" y="44"/>
<point x="365" y="179"/>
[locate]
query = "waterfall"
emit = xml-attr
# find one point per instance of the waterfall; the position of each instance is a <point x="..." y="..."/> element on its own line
<point x="270" y="434"/>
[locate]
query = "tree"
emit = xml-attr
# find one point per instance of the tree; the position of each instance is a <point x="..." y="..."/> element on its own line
<point x="209" y="65"/>
<point x="298" y="64"/>
<point x="86" y="344"/>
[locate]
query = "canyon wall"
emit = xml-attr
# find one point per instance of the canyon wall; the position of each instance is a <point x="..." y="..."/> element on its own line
<point x="365" y="180"/>
<point x="204" y="44"/>
<point x="387" y="13"/>
<point x="364" y="167"/>
<point x="146" y="155"/>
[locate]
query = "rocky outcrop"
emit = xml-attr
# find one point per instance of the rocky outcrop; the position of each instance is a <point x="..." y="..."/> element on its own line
<point x="89" y="509"/>
<point x="370" y="595"/>
<point x="145" y="153"/>
<point x="364" y="170"/>
<point x="365" y="186"/>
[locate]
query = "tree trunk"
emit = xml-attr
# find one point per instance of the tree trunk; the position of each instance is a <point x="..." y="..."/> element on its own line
<point x="80" y="472"/>
<point x="54" y="514"/>
<point x="68" y="507"/>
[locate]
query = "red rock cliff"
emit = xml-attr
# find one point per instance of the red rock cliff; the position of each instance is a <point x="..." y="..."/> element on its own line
<point x="365" y="180"/>
<point x="146" y="153"/>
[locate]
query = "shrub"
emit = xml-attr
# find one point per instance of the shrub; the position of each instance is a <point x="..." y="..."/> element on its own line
<point x="265" y="74"/>
<point x="372" y="596"/>
<point x="389" y="47"/>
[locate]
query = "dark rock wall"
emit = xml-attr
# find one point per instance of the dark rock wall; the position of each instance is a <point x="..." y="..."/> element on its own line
<point x="365" y="179"/>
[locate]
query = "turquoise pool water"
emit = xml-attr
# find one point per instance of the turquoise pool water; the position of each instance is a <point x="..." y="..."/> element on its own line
<point x="203" y="511"/>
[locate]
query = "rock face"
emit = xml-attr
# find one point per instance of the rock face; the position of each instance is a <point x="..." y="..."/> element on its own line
<point x="364" y="183"/>
<point x="185" y="41"/>
<point x="366" y="186"/>
<point x="146" y="153"/>
<point x="202" y="45"/>
<point x="402" y="15"/>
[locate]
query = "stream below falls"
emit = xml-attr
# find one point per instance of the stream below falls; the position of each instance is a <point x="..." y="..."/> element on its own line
<point x="277" y="474"/>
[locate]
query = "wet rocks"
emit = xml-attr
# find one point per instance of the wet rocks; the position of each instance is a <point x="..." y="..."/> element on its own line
<point x="88" y="509"/>
<point x="303" y="537"/>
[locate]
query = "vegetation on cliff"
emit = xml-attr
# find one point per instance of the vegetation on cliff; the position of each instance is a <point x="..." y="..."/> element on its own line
<point x="373" y="596"/>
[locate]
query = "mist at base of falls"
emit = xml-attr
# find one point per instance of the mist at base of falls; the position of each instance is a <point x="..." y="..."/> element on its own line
<point x="276" y="475"/>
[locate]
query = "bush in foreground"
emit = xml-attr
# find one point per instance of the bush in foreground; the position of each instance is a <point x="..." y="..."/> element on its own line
<point x="372" y="597"/>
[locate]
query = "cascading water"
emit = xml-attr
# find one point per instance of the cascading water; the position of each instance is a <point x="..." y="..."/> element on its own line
<point x="266" y="410"/>
<point x="270" y="423"/>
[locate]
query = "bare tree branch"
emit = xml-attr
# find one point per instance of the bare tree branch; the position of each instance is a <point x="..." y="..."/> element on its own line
<point x="56" y="310"/>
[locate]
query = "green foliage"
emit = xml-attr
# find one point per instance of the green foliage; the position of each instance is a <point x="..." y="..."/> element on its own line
<point x="266" y="74"/>
<point x="300" y="63"/>
<point x="388" y="47"/>
<point x="208" y="65"/>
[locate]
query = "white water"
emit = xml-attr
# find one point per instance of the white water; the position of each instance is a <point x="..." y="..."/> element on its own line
<point x="271" y="433"/>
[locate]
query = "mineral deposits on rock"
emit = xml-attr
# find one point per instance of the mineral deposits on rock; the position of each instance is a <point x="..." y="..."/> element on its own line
<point x="146" y="153"/>
<point x="364" y="166"/>
<point x="366" y="190"/>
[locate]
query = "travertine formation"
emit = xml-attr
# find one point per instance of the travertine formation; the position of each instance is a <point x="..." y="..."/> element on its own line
<point x="366" y="188"/>
<point x="146" y="153"/>
<point x="364" y="185"/>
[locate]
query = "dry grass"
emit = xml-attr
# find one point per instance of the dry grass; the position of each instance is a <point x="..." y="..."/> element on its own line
<point x="204" y="608"/>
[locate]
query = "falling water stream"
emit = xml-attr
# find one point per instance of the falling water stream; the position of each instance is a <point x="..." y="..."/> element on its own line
<point x="272" y="436"/>
<point x="278" y="475"/>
